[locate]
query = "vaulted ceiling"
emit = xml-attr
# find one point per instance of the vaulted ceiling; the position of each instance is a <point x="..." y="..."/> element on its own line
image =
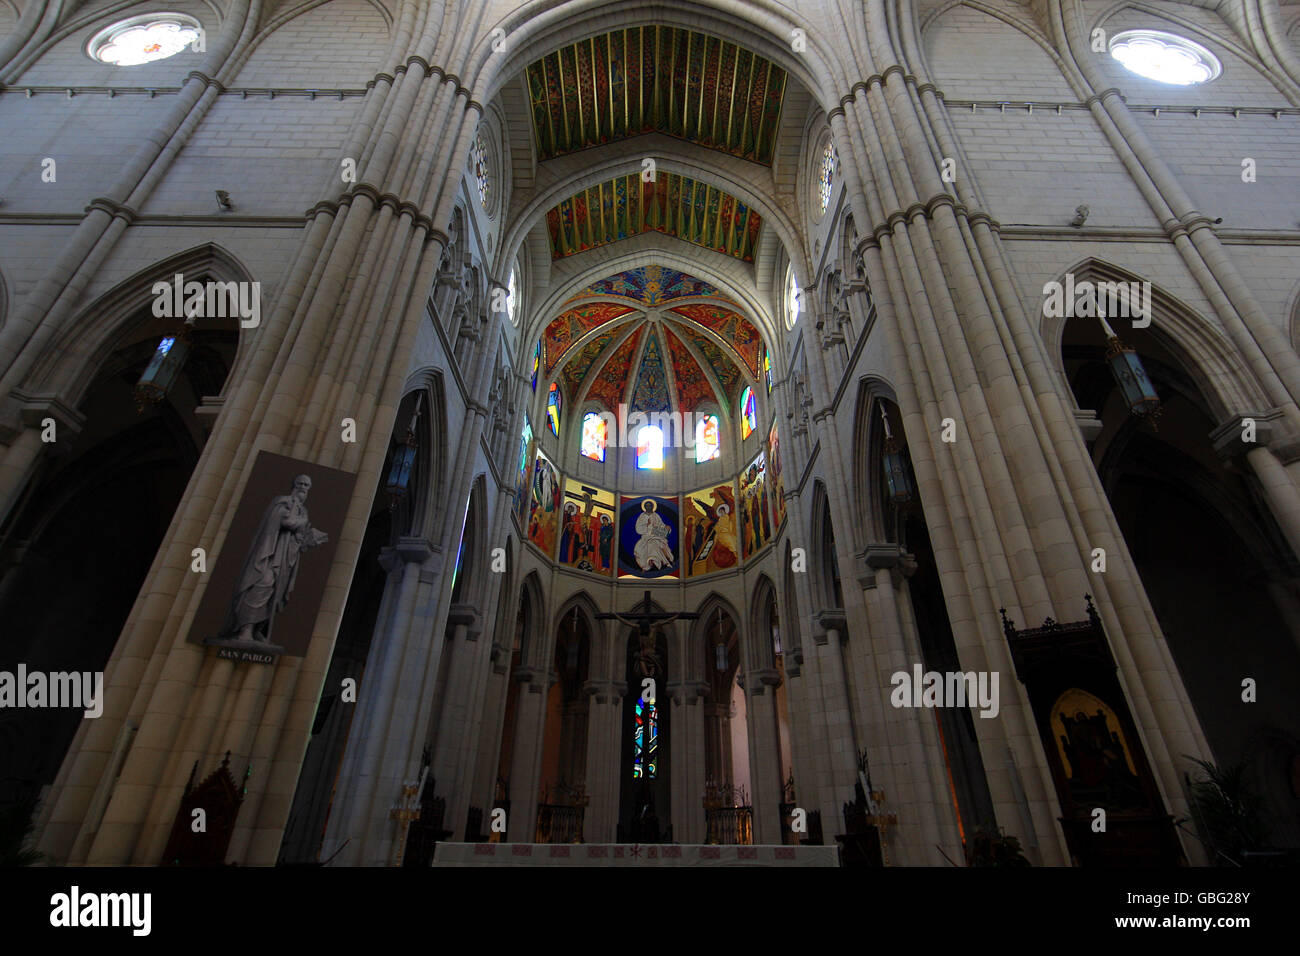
<point x="698" y="350"/>
<point x="675" y="205"/>
<point x="656" y="79"/>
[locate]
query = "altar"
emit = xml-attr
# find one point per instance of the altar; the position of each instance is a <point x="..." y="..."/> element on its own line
<point x="630" y="854"/>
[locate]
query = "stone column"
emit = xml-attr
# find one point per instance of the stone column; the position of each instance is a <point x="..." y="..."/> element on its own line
<point x="841" y="745"/>
<point x="764" y="755"/>
<point x="604" y="754"/>
<point x="368" y="780"/>
<point x="526" y="756"/>
<point x="688" y="767"/>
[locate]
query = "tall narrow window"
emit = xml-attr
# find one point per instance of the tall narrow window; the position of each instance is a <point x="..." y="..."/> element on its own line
<point x="553" y="409"/>
<point x="537" y="362"/>
<point x="748" y="413"/>
<point x="767" y="369"/>
<point x="595" y="435"/>
<point x="479" y="159"/>
<point x="826" y="179"/>
<point x="793" y="299"/>
<point x="512" y="298"/>
<point x="650" y="447"/>
<point x="706" y="438"/>
<point x="645" y="740"/>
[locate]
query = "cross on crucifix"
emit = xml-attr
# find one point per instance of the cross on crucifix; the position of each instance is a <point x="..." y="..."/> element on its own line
<point x="643" y="620"/>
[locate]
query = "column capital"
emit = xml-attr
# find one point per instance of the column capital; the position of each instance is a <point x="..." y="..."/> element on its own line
<point x="688" y="691"/>
<point x="825" y="621"/>
<point x="537" y="679"/>
<point x="35" y="407"/>
<point x="468" y="616"/>
<point x="605" y="691"/>
<point x="1268" y="429"/>
<point x="765" y="677"/>
<point x="410" y="551"/>
<point x="885" y="555"/>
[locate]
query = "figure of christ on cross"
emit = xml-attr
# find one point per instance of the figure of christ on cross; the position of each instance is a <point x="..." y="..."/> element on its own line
<point x="644" y="621"/>
<point x="587" y="539"/>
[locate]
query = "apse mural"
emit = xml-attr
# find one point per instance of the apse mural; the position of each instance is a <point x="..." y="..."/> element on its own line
<point x="566" y="329"/>
<point x="709" y="530"/>
<point x="692" y="386"/>
<point x="587" y="528"/>
<point x="755" y="520"/>
<point x="608" y="386"/>
<point x="732" y="328"/>
<point x="651" y="285"/>
<point x="651" y="392"/>
<point x="544" y="511"/>
<point x="576" y="368"/>
<point x="727" y="372"/>
<point x="521" y="479"/>
<point x="778" y="483"/>
<point x="647" y="537"/>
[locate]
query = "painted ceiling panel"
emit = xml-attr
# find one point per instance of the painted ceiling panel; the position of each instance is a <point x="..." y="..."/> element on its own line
<point x="611" y="381"/>
<point x="576" y="369"/>
<point x="570" y="326"/>
<point x="650" y="285"/>
<point x="726" y="371"/>
<point x="692" y="385"/>
<point x="651" y="392"/>
<point x="656" y="79"/>
<point x="674" y="205"/>
<point x="732" y="328"/>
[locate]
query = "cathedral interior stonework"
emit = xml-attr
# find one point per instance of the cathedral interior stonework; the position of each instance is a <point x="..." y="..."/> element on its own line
<point x="791" y="432"/>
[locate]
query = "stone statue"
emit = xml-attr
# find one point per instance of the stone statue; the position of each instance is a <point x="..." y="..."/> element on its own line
<point x="271" y="567"/>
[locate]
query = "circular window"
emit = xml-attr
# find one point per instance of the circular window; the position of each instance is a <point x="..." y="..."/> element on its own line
<point x="155" y="36"/>
<point x="826" y="175"/>
<point x="1164" y="57"/>
<point x="793" y="299"/>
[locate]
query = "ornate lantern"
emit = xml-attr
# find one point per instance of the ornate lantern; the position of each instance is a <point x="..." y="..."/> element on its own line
<point x="160" y="374"/>
<point x="399" y="473"/>
<point x="1131" y="376"/>
<point x="896" y="474"/>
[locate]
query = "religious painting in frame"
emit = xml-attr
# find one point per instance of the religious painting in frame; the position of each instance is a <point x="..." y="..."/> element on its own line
<point x="755" y="517"/>
<point x="709" y="530"/>
<point x="587" y="524"/>
<point x="265" y="588"/>
<point x="778" y="483"/>
<point x="544" y="505"/>
<point x="647" y="537"/>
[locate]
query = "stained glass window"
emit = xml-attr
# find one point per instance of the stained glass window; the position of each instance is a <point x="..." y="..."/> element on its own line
<point x="748" y="413"/>
<point x="512" y="298"/>
<point x="645" y="740"/>
<point x="706" y="438"/>
<point x="537" y="362"/>
<point x="767" y="369"/>
<point x="650" y="447"/>
<point x="1164" y="57"/>
<point x="553" y="409"/>
<point x="793" y="299"/>
<point x="826" y="181"/>
<point x="595" y="434"/>
<point x="479" y="160"/>
<point x="144" y="39"/>
<point x="525" y="437"/>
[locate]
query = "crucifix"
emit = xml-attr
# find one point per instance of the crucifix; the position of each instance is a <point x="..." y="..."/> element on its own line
<point x="643" y="621"/>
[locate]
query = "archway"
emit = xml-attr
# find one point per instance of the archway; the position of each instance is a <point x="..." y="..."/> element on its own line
<point x="563" y="798"/>
<point x="645" y="766"/>
<point x="80" y="541"/>
<point x="728" y="781"/>
<point x="1222" y="580"/>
